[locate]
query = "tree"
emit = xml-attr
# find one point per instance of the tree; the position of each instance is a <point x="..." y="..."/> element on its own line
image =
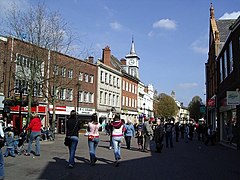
<point x="43" y="32"/>
<point x="165" y="106"/>
<point x="194" y="108"/>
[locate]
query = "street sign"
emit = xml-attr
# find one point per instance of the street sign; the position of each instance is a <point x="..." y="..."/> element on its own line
<point x="233" y="98"/>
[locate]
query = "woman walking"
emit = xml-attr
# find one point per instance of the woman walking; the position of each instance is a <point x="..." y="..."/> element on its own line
<point x="93" y="138"/>
<point x="73" y="126"/>
<point x="35" y="127"/>
<point x="1" y="155"/>
<point x="117" y="136"/>
<point x="129" y="132"/>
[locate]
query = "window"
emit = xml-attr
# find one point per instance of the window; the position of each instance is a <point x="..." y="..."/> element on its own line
<point x="85" y="97"/>
<point x="130" y="87"/>
<point x="231" y="56"/>
<point x="109" y="99"/>
<point x="114" y="81"/>
<point x="63" y="73"/>
<point x="133" y="88"/>
<point x="86" y="77"/>
<point x="80" y="96"/>
<point x="110" y="79"/>
<point x="62" y="93"/>
<point x="102" y="76"/>
<point x="105" y="98"/>
<point x="225" y="64"/>
<point x="55" y="71"/>
<point x="80" y="78"/>
<point x="101" y="96"/>
<point x="70" y="73"/>
<point x="123" y="85"/>
<point x="69" y="95"/>
<point x="113" y="100"/>
<point x="91" y="97"/>
<point x="106" y="78"/>
<point x="91" y="78"/>
<point x="221" y="69"/>
<point x="126" y="86"/>
<point x="126" y="101"/>
<point x="37" y="90"/>
<point x="129" y="102"/>
<point x="118" y="82"/>
<point x="117" y="101"/>
<point x="123" y="100"/>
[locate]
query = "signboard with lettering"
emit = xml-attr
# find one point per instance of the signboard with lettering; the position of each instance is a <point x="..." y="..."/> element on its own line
<point x="233" y="98"/>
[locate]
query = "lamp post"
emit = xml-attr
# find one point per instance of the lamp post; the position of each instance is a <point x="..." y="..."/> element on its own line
<point x="78" y="96"/>
<point x="144" y="109"/>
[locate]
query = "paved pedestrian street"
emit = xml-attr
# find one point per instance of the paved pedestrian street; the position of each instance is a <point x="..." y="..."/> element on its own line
<point x="187" y="161"/>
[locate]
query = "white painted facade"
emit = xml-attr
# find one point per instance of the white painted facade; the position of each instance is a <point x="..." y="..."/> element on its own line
<point x="108" y="91"/>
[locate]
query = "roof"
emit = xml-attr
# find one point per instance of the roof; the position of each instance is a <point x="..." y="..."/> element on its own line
<point x="223" y="26"/>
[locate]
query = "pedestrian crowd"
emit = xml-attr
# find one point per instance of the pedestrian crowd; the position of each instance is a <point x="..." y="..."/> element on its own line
<point x="145" y="134"/>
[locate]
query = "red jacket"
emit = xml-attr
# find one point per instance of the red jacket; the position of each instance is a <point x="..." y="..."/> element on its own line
<point x="35" y="125"/>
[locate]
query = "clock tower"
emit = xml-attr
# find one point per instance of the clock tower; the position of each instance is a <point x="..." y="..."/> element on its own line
<point x="132" y="62"/>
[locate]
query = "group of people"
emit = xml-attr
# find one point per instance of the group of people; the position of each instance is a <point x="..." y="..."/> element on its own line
<point x="35" y="131"/>
<point x="73" y="126"/>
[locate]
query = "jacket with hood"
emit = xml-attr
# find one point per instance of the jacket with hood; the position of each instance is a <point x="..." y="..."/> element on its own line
<point x="117" y="128"/>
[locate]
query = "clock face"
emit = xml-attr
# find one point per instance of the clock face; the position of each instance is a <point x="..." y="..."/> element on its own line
<point x="131" y="61"/>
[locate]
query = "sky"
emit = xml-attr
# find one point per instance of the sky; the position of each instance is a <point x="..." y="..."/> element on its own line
<point x="170" y="36"/>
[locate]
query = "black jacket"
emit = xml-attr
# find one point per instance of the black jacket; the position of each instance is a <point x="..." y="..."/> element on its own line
<point x="73" y="126"/>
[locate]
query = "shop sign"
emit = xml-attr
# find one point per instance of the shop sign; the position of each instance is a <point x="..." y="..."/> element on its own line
<point x="233" y="98"/>
<point x="211" y="103"/>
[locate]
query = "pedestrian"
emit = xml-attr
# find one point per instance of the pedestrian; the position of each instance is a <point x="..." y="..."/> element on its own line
<point x="73" y="126"/>
<point x="2" y="173"/>
<point x="186" y="133"/>
<point x="168" y="127"/>
<point x="182" y="130"/>
<point x="110" y="135"/>
<point x="210" y="135"/>
<point x="9" y="138"/>
<point x="117" y="136"/>
<point x="35" y="127"/>
<point x="177" y="130"/>
<point x="93" y="138"/>
<point x="139" y="136"/>
<point x="129" y="133"/>
<point x="158" y="136"/>
<point x="148" y="133"/>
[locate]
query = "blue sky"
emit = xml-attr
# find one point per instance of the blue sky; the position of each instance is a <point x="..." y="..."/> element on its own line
<point x="171" y="36"/>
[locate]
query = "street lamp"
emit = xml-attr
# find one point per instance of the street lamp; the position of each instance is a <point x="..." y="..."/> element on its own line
<point x="144" y="109"/>
<point x="78" y="96"/>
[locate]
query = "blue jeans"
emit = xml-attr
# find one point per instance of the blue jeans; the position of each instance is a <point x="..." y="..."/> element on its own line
<point x="9" y="150"/>
<point x="92" y="144"/>
<point x="1" y="165"/>
<point x="72" y="149"/>
<point x="117" y="146"/>
<point x="34" y="136"/>
<point x="169" y="138"/>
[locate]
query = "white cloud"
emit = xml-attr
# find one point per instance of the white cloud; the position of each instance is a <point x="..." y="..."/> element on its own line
<point x="233" y="15"/>
<point x="116" y="26"/>
<point x="200" y="45"/>
<point x="188" y="85"/>
<point x="165" y="24"/>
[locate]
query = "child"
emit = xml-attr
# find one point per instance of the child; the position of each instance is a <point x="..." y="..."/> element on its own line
<point x="9" y="144"/>
<point x="139" y="136"/>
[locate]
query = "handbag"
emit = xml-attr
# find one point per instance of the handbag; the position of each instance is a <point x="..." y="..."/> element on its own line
<point x="90" y="137"/>
<point x="2" y="141"/>
<point x="67" y="141"/>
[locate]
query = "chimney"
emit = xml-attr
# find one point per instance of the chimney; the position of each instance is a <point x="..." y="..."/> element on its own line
<point x="90" y="59"/>
<point x="106" y="56"/>
<point x="123" y="61"/>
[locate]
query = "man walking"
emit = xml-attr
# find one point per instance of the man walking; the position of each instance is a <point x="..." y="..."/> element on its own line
<point x="148" y="133"/>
